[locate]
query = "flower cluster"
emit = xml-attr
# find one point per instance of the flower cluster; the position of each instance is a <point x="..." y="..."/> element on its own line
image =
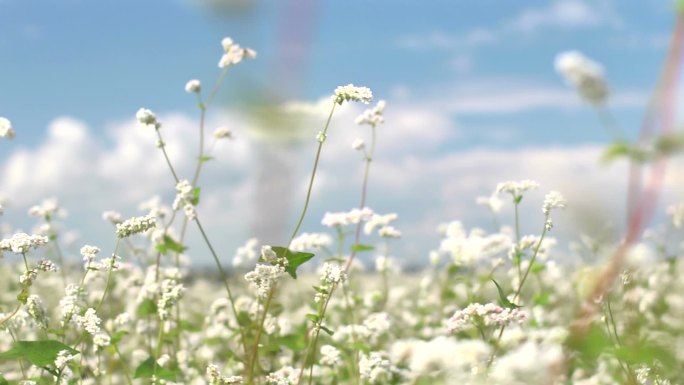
<point x="185" y="198"/>
<point x="332" y="275"/>
<point x="6" y="130"/>
<point x="21" y="243"/>
<point x="340" y="219"/>
<point x="352" y="93"/>
<point x="373" y="116"/>
<point x="233" y="53"/>
<point x="583" y="73"/>
<point x="193" y="86"/>
<point x="263" y="277"/>
<point x="517" y="188"/>
<point x="135" y="225"/>
<point x="171" y="293"/>
<point x="147" y="118"/>
<point x="488" y="314"/>
<point x="215" y="377"/>
<point x="310" y="241"/>
<point x="89" y="321"/>
<point x="553" y="200"/>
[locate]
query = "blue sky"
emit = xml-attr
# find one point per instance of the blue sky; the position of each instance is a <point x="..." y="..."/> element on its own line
<point x="469" y="84"/>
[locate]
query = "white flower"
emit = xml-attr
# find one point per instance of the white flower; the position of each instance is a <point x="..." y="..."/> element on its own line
<point x="677" y="214"/>
<point x="135" y="225"/>
<point x="330" y="356"/>
<point x="146" y="117"/>
<point x="112" y="216"/>
<point x="378" y="220"/>
<point x="488" y="314"/>
<point x="352" y="93"/>
<point x="389" y="232"/>
<point x="310" y="241"/>
<point x="21" y="243"/>
<point x="223" y="133"/>
<point x="246" y="253"/>
<point x="89" y="321"/>
<point x="517" y="188"/>
<point x="263" y="277"/>
<point x="6" y="130"/>
<point x="358" y="144"/>
<point x="583" y="73"/>
<point x="372" y="116"/>
<point x="193" y="86"/>
<point x="47" y="209"/>
<point x="233" y="53"/>
<point x="553" y="200"/>
<point x="493" y="202"/>
<point x="171" y="294"/>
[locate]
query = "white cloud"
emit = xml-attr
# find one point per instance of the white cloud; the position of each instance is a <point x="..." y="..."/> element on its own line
<point x="559" y="14"/>
<point x="515" y="95"/>
<point x="564" y="14"/>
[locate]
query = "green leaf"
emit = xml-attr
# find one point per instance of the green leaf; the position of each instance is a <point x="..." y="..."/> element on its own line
<point x="503" y="300"/>
<point x="294" y="342"/>
<point x="537" y="267"/>
<point x="359" y="248"/>
<point x="146" y="307"/>
<point x="39" y="353"/>
<point x="3" y="381"/>
<point x="170" y="244"/>
<point x="623" y="149"/>
<point x="592" y="344"/>
<point x="195" y="196"/>
<point x="541" y="299"/>
<point x="147" y="370"/>
<point x="205" y="158"/>
<point x="313" y="317"/>
<point x="118" y="336"/>
<point x="294" y="259"/>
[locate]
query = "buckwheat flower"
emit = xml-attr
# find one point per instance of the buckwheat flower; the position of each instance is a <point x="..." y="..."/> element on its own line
<point x="69" y="303"/>
<point x="21" y="243"/>
<point x="385" y="264"/>
<point x="358" y="144"/>
<point x="88" y="321"/>
<point x="47" y="209"/>
<point x="223" y="133"/>
<point x="584" y="74"/>
<point x="111" y="264"/>
<point x="263" y="277"/>
<point x="553" y="200"/>
<point x="333" y="273"/>
<point x="517" y="188"/>
<point x="36" y="310"/>
<point x="330" y="356"/>
<point x="352" y="93"/>
<point x="193" y="86"/>
<point x="389" y="232"/>
<point x="286" y="375"/>
<point x="6" y="130"/>
<point x="112" y="216"/>
<point x="89" y="254"/>
<point x="28" y="277"/>
<point x="63" y="358"/>
<point x="377" y="324"/>
<point x="375" y="368"/>
<point x="146" y="117"/>
<point x="310" y="241"/>
<point x="492" y="202"/>
<point x="485" y="315"/>
<point x="135" y="225"/>
<point x="355" y="215"/>
<point x="338" y="219"/>
<point x="378" y="220"/>
<point x="270" y="256"/>
<point x="101" y="340"/>
<point x="233" y="53"/>
<point x="246" y="253"/>
<point x="47" y="265"/>
<point x="372" y="116"/>
<point x="172" y="292"/>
